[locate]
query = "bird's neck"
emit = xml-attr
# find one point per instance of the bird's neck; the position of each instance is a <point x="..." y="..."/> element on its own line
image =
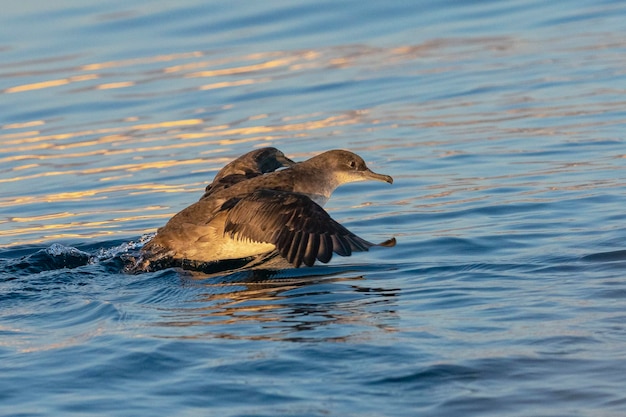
<point x="317" y="184"/>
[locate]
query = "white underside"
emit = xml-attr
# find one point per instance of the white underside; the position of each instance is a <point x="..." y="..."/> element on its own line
<point x="209" y="243"/>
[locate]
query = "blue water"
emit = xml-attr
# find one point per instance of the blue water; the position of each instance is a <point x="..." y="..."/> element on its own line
<point x="502" y="124"/>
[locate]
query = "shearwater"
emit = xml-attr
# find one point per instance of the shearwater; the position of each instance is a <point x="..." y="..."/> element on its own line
<point x="251" y="209"/>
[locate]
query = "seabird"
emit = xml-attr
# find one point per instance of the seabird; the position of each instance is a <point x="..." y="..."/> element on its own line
<point x="251" y="210"/>
<point x="249" y="165"/>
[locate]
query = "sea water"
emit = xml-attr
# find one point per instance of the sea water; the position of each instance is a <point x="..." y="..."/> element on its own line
<point x="502" y="124"/>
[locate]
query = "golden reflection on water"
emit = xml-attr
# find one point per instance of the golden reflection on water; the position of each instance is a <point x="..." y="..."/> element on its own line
<point x="73" y="229"/>
<point x="50" y="83"/>
<point x="278" y="309"/>
<point x="219" y="132"/>
<point x="288" y="310"/>
<point x="279" y="62"/>
<point x="36" y="137"/>
<point x="39" y="153"/>
<point x="31" y="145"/>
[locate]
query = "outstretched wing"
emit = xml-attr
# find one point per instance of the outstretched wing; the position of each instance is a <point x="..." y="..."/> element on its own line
<point x="299" y="228"/>
<point x="226" y="182"/>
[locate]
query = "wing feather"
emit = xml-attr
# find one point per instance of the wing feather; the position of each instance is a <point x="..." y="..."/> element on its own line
<point x="340" y="247"/>
<point x="299" y="228"/>
<point x="325" y="251"/>
<point x="312" y="249"/>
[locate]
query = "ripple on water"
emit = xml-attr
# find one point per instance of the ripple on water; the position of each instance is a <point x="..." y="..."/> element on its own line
<point x="501" y="123"/>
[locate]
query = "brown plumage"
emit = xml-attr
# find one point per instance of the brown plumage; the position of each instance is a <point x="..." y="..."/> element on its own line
<point x="249" y="165"/>
<point x="250" y="210"/>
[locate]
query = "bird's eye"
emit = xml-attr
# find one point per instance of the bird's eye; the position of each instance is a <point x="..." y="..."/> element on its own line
<point x="352" y="164"/>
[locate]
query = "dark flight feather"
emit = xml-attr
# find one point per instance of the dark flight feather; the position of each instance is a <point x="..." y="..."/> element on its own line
<point x="299" y="228"/>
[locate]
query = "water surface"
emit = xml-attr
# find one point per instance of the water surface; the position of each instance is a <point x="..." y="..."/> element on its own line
<point x="502" y="124"/>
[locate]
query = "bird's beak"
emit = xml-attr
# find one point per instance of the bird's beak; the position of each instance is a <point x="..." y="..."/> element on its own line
<point x="284" y="161"/>
<point x="371" y="175"/>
